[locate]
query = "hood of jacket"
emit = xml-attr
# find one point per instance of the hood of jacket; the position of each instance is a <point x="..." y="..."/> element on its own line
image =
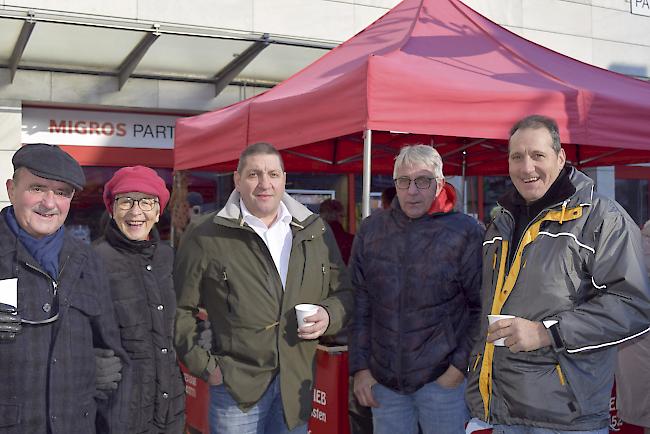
<point x="445" y="201"/>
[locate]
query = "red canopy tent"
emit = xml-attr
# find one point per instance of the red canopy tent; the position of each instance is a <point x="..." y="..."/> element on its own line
<point x="428" y="71"/>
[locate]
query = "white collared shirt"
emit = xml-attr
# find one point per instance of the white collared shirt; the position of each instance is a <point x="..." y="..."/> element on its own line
<point x="277" y="237"/>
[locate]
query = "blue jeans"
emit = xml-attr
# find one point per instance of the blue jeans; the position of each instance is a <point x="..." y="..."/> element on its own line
<point x="519" y="429"/>
<point x="266" y="417"/>
<point x="437" y="409"/>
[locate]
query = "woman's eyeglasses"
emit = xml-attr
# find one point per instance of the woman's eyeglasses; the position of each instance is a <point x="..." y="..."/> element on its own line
<point x="125" y="203"/>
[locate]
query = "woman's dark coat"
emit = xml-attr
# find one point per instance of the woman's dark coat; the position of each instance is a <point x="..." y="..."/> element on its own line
<point x="144" y="300"/>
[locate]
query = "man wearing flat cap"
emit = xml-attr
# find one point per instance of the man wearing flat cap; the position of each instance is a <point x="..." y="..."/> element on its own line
<point x="55" y="309"/>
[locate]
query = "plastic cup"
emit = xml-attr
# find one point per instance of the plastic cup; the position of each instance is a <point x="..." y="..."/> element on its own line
<point x="305" y="310"/>
<point x="494" y="318"/>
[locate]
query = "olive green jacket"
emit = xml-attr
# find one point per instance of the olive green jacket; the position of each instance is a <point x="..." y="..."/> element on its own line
<point x="223" y="265"/>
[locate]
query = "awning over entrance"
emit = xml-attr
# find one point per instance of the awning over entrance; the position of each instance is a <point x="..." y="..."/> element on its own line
<point x="82" y="45"/>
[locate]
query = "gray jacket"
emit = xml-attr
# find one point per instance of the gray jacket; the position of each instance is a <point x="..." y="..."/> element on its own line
<point x="583" y="267"/>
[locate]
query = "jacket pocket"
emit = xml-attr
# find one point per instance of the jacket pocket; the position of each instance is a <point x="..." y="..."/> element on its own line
<point x="84" y="309"/>
<point x="326" y="273"/>
<point x="530" y="381"/>
<point x="85" y="303"/>
<point x="9" y="415"/>
<point x="476" y="362"/>
<point x="132" y="317"/>
<point x="221" y="278"/>
<point x="87" y="413"/>
<point x="472" y="395"/>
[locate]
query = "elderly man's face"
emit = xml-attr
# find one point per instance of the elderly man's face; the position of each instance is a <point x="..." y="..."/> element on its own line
<point x="261" y="185"/>
<point x="532" y="162"/>
<point x="41" y="205"/>
<point x="414" y="201"/>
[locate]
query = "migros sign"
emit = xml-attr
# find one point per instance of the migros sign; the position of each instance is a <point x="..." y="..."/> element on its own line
<point x="96" y="128"/>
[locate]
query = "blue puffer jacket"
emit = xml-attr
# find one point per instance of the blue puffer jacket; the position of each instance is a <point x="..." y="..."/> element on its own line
<point x="417" y="302"/>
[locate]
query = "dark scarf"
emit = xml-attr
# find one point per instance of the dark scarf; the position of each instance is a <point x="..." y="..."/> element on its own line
<point x="524" y="213"/>
<point x="45" y="250"/>
<point x="119" y="241"/>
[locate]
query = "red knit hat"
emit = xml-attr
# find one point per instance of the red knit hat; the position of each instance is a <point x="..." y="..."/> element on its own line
<point x="135" y="179"/>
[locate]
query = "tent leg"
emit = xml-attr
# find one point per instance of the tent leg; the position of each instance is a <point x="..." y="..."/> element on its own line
<point x="365" y="200"/>
<point x="464" y="184"/>
<point x="352" y="205"/>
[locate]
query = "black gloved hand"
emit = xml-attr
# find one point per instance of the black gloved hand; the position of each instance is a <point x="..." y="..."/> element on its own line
<point x="108" y="369"/>
<point x="9" y="323"/>
<point x="205" y="335"/>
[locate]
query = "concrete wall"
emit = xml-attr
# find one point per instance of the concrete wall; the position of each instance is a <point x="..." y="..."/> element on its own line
<point x="10" y="127"/>
<point x="599" y="32"/>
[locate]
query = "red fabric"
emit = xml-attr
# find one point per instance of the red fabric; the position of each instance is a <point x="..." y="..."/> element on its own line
<point x="330" y="394"/>
<point x="442" y="73"/>
<point x="135" y="179"/>
<point x="344" y="240"/>
<point x="445" y="201"/>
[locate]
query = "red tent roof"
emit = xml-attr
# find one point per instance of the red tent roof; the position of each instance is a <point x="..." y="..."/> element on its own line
<point x="442" y="73"/>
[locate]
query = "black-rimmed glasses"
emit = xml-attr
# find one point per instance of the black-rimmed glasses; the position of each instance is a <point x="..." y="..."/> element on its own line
<point x="125" y="203"/>
<point x="421" y="182"/>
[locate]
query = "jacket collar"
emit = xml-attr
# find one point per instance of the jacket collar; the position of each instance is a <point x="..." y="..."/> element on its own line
<point x="71" y="254"/>
<point x="572" y="188"/>
<point x="7" y="238"/>
<point x="231" y="211"/>
<point x="118" y="240"/>
<point x="445" y="201"/>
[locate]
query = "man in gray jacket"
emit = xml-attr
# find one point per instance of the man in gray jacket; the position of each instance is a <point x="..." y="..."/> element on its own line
<point x="567" y="264"/>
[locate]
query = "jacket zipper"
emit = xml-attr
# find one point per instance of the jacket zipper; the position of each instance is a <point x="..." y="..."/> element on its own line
<point x="558" y="368"/>
<point x="478" y="358"/>
<point x="228" y="291"/>
<point x="509" y="263"/>
<point x="530" y="223"/>
<point x="50" y="278"/>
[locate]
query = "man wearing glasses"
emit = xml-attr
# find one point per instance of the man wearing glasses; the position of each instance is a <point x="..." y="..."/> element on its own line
<point x="55" y="305"/>
<point x="416" y="272"/>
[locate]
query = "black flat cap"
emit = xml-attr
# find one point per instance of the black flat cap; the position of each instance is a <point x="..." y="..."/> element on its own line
<point x="50" y="162"/>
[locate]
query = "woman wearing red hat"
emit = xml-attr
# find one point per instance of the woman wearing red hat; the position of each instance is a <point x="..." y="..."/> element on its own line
<point x="140" y="270"/>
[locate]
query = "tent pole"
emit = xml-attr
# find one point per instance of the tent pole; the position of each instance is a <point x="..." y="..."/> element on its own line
<point x="464" y="168"/>
<point x="365" y="200"/>
<point x="352" y="201"/>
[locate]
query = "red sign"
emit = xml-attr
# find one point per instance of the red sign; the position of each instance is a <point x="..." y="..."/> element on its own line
<point x="197" y="399"/>
<point x="330" y="400"/>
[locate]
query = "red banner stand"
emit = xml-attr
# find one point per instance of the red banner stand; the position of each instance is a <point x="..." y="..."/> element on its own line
<point x="329" y="413"/>
<point x="616" y="425"/>
<point x="197" y="399"/>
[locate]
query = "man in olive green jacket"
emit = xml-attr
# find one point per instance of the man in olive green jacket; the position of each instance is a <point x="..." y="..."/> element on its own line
<point x="249" y="265"/>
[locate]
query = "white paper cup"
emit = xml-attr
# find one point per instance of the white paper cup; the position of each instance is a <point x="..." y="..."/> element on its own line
<point x="494" y="318"/>
<point x="305" y="310"/>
